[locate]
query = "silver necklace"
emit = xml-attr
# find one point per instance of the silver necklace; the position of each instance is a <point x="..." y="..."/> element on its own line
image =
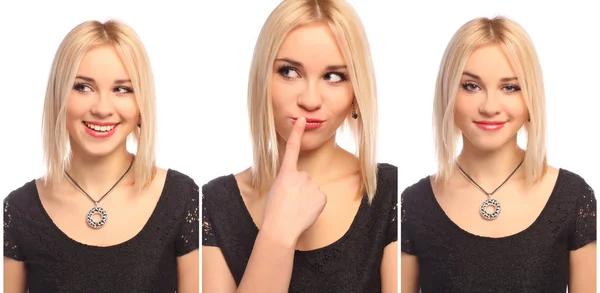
<point x="490" y="201"/>
<point x="96" y="210"/>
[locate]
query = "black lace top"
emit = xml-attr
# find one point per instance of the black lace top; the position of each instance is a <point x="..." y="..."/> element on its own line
<point x="535" y="260"/>
<point x="146" y="263"/>
<point x="351" y="264"/>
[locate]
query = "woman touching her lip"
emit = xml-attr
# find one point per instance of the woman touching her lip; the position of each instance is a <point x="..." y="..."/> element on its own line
<point x="308" y="216"/>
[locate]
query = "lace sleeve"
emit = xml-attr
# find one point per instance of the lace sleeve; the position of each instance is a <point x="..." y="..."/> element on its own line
<point x="208" y="234"/>
<point x="392" y="233"/>
<point x="188" y="241"/>
<point x="406" y="244"/>
<point x="11" y="245"/>
<point x="585" y="220"/>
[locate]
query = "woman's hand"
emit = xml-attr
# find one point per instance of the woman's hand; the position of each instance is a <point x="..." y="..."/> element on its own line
<point x="294" y="202"/>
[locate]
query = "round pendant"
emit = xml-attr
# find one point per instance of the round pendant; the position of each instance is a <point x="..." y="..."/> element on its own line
<point x="485" y="205"/>
<point x="96" y="211"/>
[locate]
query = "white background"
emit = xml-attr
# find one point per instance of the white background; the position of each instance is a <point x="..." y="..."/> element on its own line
<point x="201" y="57"/>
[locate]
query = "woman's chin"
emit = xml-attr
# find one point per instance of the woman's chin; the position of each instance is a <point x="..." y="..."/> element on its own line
<point x="98" y="148"/>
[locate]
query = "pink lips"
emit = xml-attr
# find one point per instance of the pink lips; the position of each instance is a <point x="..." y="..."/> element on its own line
<point x="100" y="134"/>
<point x="490" y="125"/>
<point x="311" y="123"/>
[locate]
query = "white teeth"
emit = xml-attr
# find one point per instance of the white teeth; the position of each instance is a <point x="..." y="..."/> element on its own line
<point x="100" y="128"/>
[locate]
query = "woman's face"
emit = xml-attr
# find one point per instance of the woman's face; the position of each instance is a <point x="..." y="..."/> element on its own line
<point x="102" y="109"/>
<point x="490" y="108"/>
<point x="310" y="79"/>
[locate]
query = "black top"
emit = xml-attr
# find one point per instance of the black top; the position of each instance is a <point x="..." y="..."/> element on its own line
<point x="535" y="260"/>
<point x="145" y="263"/>
<point x="351" y="264"/>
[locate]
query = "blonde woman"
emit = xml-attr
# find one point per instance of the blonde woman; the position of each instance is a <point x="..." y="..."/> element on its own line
<point x="308" y="216"/>
<point x="495" y="218"/>
<point x="101" y="219"/>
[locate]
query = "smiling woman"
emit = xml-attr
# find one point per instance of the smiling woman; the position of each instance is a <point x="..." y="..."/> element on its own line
<point x="308" y="216"/>
<point x="101" y="72"/>
<point x="74" y="230"/>
<point x="495" y="217"/>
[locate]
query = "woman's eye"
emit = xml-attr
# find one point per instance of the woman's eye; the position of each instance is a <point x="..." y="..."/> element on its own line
<point x="288" y="72"/>
<point x="471" y="87"/>
<point x="80" y="87"/>
<point x="335" y="77"/>
<point x="123" y="90"/>
<point x="511" y="88"/>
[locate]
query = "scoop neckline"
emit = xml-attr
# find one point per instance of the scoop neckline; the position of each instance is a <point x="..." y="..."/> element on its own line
<point x="332" y="245"/>
<point x="142" y="232"/>
<point x="455" y="226"/>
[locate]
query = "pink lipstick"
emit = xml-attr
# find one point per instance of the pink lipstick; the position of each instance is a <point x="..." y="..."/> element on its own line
<point x="490" y="125"/>
<point x="311" y="123"/>
<point x="100" y="129"/>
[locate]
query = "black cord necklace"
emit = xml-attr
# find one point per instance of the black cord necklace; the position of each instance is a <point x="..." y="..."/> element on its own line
<point x="96" y="209"/>
<point x="490" y="201"/>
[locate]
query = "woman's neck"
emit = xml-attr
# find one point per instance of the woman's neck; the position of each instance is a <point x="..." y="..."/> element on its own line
<point x="318" y="162"/>
<point x="490" y="168"/>
<point x="96" y="175"/>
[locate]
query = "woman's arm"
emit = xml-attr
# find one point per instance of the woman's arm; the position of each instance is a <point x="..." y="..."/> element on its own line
<point x="216" y="276"/>
<point x="188" y="243"/>
<point x="269" y="268"/>
<point x="582" y="241"/>
<point x="389" y="269"/>
<point x="583" y="269"/>
<point x="14" y="276"/>
<point x="293" y="204"/>
<point x="188" y="273"/>
<point x="409" y="267"/>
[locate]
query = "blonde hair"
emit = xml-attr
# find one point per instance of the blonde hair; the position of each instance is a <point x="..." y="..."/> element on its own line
<point x="66" y="62"/>
<point x="517" y="45"/>
<point x="352" y="39"/>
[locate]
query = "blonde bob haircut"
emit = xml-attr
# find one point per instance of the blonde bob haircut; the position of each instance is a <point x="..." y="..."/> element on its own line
<point x="77" y="42"/>
<point x="519" y="49"/>
<point x="352" y="40"/>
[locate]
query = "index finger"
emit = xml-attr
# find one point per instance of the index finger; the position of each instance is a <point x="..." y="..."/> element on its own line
<point x="292" y="149"/>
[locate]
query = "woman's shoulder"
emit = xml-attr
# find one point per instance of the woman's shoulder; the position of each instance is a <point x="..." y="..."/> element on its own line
<point x="574" y="185"/>
<point x="222" y="203"/>
<point x="572" y="194"/>
<point x="572" y="178"/>
<point x="387" y="179"/>
<point x="223" y="188"/>
<point x="387" y="171"/>
<point x="219" y="184"/>
<point x="178" y="184"/>
<point x="178" y="177"/>
<point x="21" y="197"/>
<point x="20" y="204"/>
<point x="387" y="175"/>
<point x="418" y="188"/>
<point x="387" y="184"/>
